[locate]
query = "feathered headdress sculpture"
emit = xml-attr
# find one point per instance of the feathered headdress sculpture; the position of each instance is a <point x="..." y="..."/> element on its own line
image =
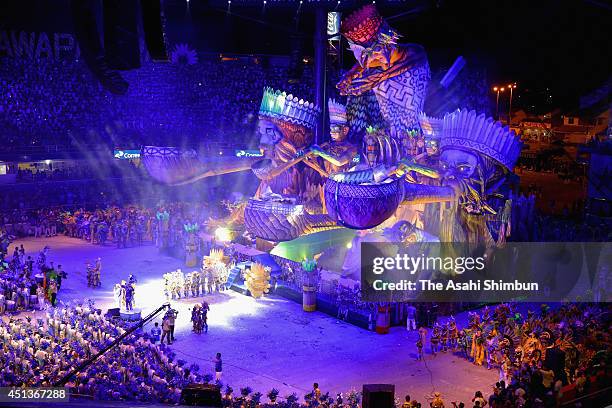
<point x="466" y="130"/>
<point x="337" y="113"/>
<point x="184" y="54"/>
<point x="362" y="26"/>
<point x="431" y="126"/>
<point x="279" y="105"/>
<point x="257" y="280"/>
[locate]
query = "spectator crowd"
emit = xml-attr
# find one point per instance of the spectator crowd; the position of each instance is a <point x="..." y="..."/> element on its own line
<point x="61" y="102"/>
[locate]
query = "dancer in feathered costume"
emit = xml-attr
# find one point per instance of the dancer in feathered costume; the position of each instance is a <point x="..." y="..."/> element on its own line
<point x="453" y="333"/>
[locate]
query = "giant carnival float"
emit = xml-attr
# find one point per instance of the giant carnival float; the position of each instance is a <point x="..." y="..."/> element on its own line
<point x="410" y="176"/>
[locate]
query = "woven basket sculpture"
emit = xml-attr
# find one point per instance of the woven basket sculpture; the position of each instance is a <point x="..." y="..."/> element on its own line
<point x="362" y="206"/>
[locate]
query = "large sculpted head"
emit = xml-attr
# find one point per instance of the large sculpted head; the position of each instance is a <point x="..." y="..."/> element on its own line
<point x="271" y="131"/>
<point x="338" y="122"/>
<point x="476" y="153"/>
<point x="464" y="171"/>
<point x="457" y="164"/>
<point x="269" y="135"/>
<point x="285" y="118"/>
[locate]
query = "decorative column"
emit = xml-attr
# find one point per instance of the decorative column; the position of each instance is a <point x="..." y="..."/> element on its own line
<point x="320" y="62"/>
<point x="309" y="295"/>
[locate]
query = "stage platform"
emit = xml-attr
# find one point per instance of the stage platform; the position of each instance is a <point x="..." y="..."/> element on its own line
<point x="131" y="315"/>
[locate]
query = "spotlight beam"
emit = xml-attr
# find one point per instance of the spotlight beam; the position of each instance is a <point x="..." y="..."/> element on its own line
<point x="409" y="13"/>
<point x="256" y="20"/>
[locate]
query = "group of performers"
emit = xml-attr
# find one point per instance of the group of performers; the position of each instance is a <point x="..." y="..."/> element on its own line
<point x="501" y="339"/>
<point x="125" y="226"/>
<point x="199" y="317"/>
<point x="93" y="274"/>
<point x="347" y="299"/>
<point x="444" y="337"/>
<point x="130" y="232"/>
<point x="211" y="278"/>
<point x="178" y="285"/>
<point x="124" y="293"/>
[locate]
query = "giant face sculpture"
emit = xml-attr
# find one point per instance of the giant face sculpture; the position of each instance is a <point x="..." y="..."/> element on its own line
<point x="338" y="133"/>
<point x="397" y="73"/>
<point x="432" y="147"/>
<point x="269" y="136"/>
<point x="469" y="174"/>
<point x="457" y="165"/>
<point x="377" y="55"/>
<point x="476" y="154"/>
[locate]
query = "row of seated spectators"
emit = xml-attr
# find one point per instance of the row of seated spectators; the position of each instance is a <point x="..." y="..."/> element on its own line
<point x="70" y="173"/>
<point x="40" y="351"/>
<point x="61" y="103"/>
<point x="102" y="192"/>
<point x="53" y="102"/>
<point x="554" y="229"/>
<point x="100" y="167"/>
<point x="20" y="197"/>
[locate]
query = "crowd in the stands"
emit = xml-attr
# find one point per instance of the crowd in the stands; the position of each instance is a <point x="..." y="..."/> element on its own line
<point x="61" y="103"/>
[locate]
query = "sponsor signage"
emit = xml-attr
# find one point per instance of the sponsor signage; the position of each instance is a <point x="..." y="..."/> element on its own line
<point x="333" y="25"/>
<point x="249" y="153"/>
<point x="126" y="154"/>
<point x="37" y="46"/>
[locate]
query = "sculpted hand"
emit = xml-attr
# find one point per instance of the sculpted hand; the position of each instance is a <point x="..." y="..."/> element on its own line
<point x="366" y="81"/>
<point x="315" y="150"/>
<point x="344" y="86"/>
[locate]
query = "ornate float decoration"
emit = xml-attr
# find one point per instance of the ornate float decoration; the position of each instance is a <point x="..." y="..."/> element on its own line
<point x="339" y="154"/>
<point x="183" y="54"/>
<point x="257" y="280"/>
<point x="361" y="205"/>
<point x="463" y="159"/>
<point x="476" y="158"/>
<point x="175" y="166"/>
<point x="431" y="128"/>
<point x="398" y="74"/>
<point x="288" y="202"/>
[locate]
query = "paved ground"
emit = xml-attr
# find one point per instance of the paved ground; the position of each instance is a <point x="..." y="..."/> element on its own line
<point x="269" y="342"/>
